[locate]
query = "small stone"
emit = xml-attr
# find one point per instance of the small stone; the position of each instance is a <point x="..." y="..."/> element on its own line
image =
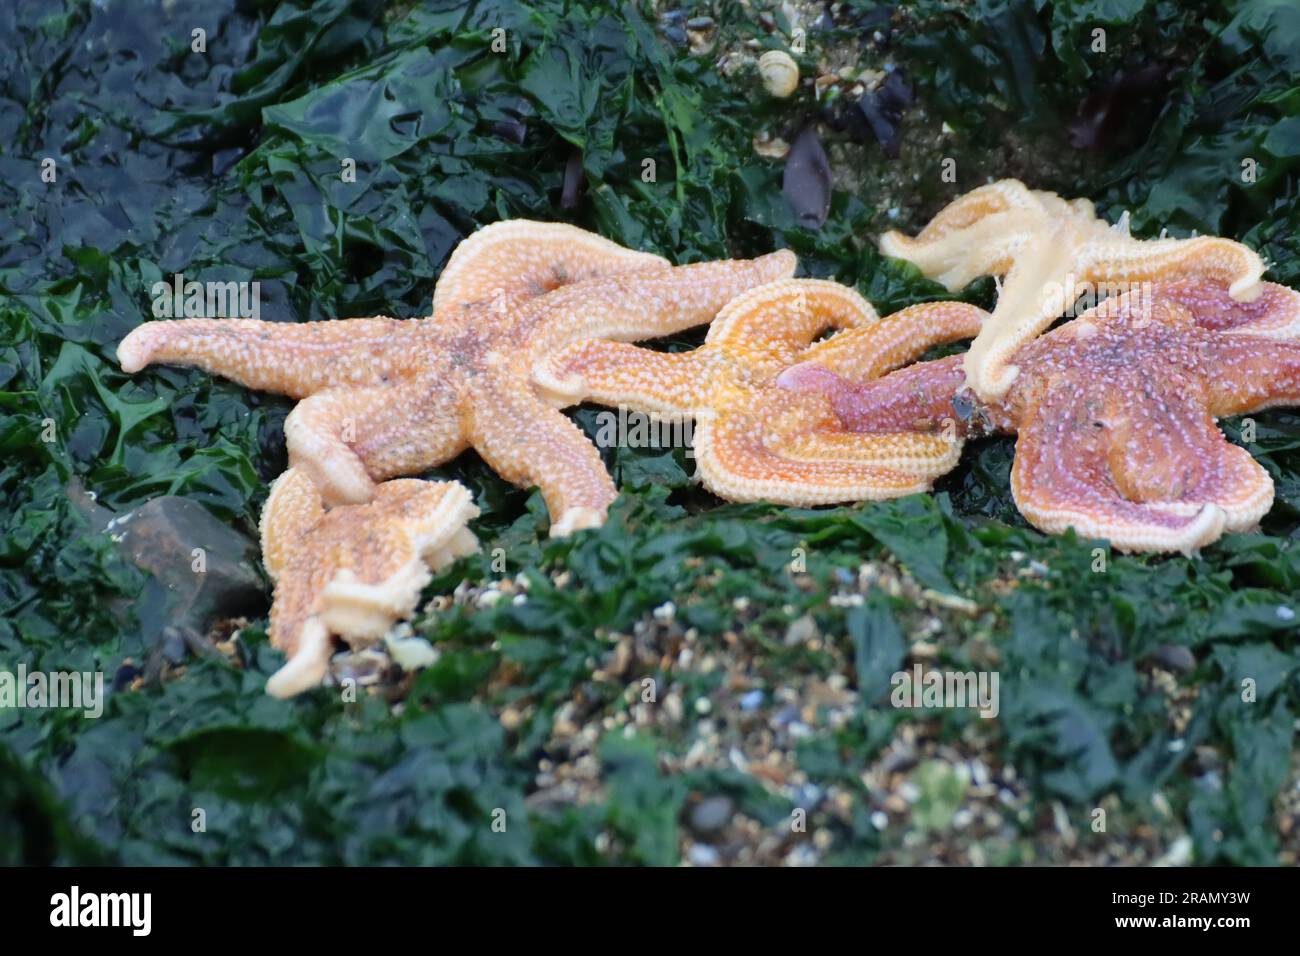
<point x="701" y="854"/>
<point x="411" y="653"/>
<point x="801" y="631"/>
<point x="711" y="815"/>
<point x="1174" y="657"/>
<point x="751" y="701"/>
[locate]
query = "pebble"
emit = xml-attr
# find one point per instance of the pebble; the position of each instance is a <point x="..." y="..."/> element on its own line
<point x="1174" y="657"/>
<point x="751" y="701"/>
<point x="701" y="854"/>
<point x="711" y="815"/>
<point x="801" y="631"/>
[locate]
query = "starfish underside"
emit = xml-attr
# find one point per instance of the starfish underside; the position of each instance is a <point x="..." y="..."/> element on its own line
<point x="1047" y="248"/>
<point x="382" y="397"/>
<point x="352" y="570"/>
<point x="754" y="441"/>
<point x="1115" y="412"/>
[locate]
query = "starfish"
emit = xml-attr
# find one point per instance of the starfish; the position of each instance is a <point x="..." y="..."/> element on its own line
<point x="352" y="570"/>
<point x="1115" y="412"/>
<point x="1046" y="247"/>
<point x="382" y="397"/>
<point x="754" y="441"/>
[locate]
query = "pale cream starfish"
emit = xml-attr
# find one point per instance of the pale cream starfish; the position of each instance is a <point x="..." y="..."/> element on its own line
<point x="383" y="397"/>
<point x="754" y="441"/>
<point x="1048" y="247"/>
<point x="352" y="570"/>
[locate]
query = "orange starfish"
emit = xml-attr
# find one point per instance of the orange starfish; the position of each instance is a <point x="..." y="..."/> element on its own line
<point x="1046" y="246"/>
<point x="355" y="569"/>
<point x="757" y="442"/>
<point x="383" y="397"/>
<point x="1115" y="412"/>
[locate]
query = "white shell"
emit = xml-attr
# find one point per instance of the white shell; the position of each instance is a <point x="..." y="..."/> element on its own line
<point x="780" y="72"/>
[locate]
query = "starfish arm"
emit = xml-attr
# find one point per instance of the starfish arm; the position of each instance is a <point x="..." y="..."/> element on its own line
<point x="1031" y="298"/>
<point x="620" y="374"/>
<point x="867" y="353"/>
<point x="1006" y="195"/>
<point x="1118" y="259"/>
<point x="1275" y="314"/>
<point x="346" y="439"/>
<point x="517" y="259"/>
<point x="981" y="232"/>
<point x="917" y="398"/>
<point x="1155" y="475"/>
<point x="359" y="569"/>
<point x="955" y="259"/>
<point x="292" y="508"/>
<point x="1254" y="373"/>
<point x="772" y="449"/>
<point x="766" y="327"/>
<point x="294" y="359"/>
<point x="529" y="443"/>
<point x="910" y="453"/>
<point x="648" y="304"/>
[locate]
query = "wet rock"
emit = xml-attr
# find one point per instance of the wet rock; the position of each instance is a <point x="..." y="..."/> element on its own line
<point x="202" y="569"/>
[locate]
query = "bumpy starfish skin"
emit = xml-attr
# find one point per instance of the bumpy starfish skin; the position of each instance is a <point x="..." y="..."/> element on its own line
<point x="355" y="569"/>
<point x="383" y="397"/>
<point x="1044" y="245"/>
<point x="1115" y="413"/>
<point x="754" y="441"/>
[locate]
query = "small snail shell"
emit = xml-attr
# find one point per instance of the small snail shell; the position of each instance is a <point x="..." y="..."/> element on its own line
<point x="780" y="72"/>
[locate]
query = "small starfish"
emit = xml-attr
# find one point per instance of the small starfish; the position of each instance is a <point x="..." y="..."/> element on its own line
<point x="754" y="441"/>
<point x="1045" y="245"/>
<point x="1115" y="412"/>
<point x="383" y="397"/>
<point x="355" y="569"/>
